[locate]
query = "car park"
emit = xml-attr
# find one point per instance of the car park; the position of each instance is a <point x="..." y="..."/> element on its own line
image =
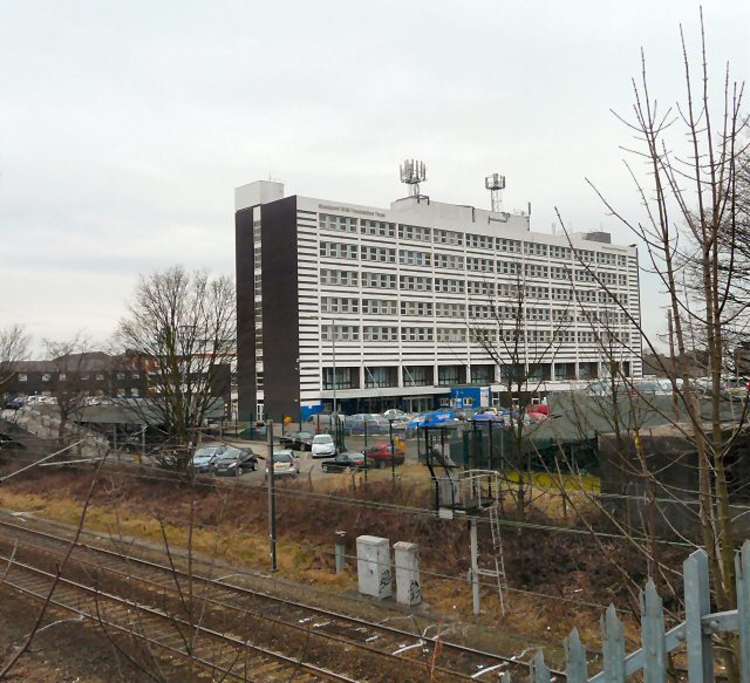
<point x="323" y="446"/>
<point x="347" y="460"/>
<point x="205" y="457"/>
<point x="283" y="464"/>
<point x="234" y="462"/>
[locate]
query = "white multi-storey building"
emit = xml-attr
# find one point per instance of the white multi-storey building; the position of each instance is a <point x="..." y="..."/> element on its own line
<point x="398" y="307"/>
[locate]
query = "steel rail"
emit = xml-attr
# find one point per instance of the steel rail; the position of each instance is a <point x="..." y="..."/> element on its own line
<point x="153" y="612"/>
<point x="229" y="587"/>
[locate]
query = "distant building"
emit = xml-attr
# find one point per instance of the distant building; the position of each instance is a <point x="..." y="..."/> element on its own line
<point x="98" y="374"/>
<point x="378" y="308"/>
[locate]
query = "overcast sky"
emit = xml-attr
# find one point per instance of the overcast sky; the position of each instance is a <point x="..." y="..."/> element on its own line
<point x="125" y="126"/>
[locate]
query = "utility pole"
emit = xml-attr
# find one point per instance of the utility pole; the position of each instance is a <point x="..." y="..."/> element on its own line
<point x="474" y="565"/>
<point x="393" y="450"/>
<point x="333" y="340"/>
<point x="271" y="496"/>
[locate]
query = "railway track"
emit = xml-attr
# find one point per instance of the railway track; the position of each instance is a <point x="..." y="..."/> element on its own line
<point x="224" y="655"/>
<point x="241" y="609"/>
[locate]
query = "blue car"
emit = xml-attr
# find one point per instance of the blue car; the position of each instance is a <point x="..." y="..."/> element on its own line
<point x="435" y="418"/>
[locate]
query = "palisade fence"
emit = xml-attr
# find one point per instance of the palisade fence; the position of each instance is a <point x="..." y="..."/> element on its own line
<point x="694" y="635"/>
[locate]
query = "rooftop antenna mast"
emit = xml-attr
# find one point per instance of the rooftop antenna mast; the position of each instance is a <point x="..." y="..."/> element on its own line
<point x="413" y="172"/>
<point x="495" y="183"/>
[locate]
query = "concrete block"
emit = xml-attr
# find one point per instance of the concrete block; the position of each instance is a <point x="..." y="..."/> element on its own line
<point x="374" y="566"/>
<point x="408" y="587"/>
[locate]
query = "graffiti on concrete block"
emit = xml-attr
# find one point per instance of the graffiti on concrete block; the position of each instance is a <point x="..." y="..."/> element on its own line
<point x="415" y="592"/>
<point x="385" y="582"/>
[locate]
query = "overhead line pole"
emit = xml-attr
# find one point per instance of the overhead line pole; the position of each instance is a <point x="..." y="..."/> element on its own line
<point x="271" y="496"/>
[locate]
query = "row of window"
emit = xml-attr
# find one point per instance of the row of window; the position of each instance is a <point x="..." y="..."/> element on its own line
<point x="459" y="335"/>
<point x="424" y="259"/>
<point x="63" y="377"/>
<point x="332" y="305"/>
<point x="454" y="238"/>
<point x="422" y="283"/>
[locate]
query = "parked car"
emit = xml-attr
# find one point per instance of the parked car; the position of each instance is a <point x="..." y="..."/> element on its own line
<point x="234" y="462"/>
<point x="343" y="462"/>
<point x="435" y="418"/>
<point x="205" y="457"/>
<point x="14" y="403"/>
<point x="376" y="424"/>
<point x="283" y="464"/>
<point x="380" y="455"/>
<point x="300" y="441"/>
<point x="395" y="414"/>
<point x="323" y="446"/>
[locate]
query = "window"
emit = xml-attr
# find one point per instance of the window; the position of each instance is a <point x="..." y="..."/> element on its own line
<point x="482" y="265"/>
<point x="134" y="392"/>
<point x="449" y="261"/>
<point x="417" y="308"/>
<point x="378" y="280"/>
<point x="62" y="377"/>
<point x="377" y="333"/>
<point x="417" y="375"/>
<point x="343" y="333"/>
<point x="379" y="307"/>
<point x="120" y="392"/>
<point x="448" y="237"/>
<point x="485" y="312"/>
<point x="508" y="267"/>
<point x="339" y="278"/>
<point x="414" y="258"/>
<point x="23" y="377"/>
<point x="536" y="292"/>
<point x="559" y="273"/>
<point x="509" y="290"/>
<point x="482" y="336"/>
<point x="451" y="374"/>
<point x="483" y="242"/>
<point x="342" y="223"/>
<point x="509" y="246"/>
<point x="380" y="254"/>
<point x="447" y="286"/>
<point x="416" y="283"/>
<point x="559" y="252"/>
<point x="46" y="377"/>
<point x="443" y="310"/>
<point x="377" y="228"/>
<point x="535" y="270"/>
<point x="416" y="334"/>
<point x="481" y="288"/>
<point x="414" y="232"/>
<point x="333" y="304"/>
<point x="346" y="378"/>
<point x="381" y="377"/>
<point x="338" y="250"/>
<point x="535" y="249"/>
<point x="135" y="375"/>
<point x="451" y="335"/>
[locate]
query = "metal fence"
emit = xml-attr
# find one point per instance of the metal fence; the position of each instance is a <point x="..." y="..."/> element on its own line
<point x="694" y="636"/>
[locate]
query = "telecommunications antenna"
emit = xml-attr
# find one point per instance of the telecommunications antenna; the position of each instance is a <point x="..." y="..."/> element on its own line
<point x="412" y="173"/>
<point x="495" y="183"/>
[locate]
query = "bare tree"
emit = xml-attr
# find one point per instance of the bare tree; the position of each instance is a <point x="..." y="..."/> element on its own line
<point x="689" y="190"/>
<point x="15" y="346"/>
<point x="181" y="328"/>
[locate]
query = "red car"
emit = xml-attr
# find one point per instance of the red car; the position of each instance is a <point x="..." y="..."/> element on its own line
<point x="380" y="455"/>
